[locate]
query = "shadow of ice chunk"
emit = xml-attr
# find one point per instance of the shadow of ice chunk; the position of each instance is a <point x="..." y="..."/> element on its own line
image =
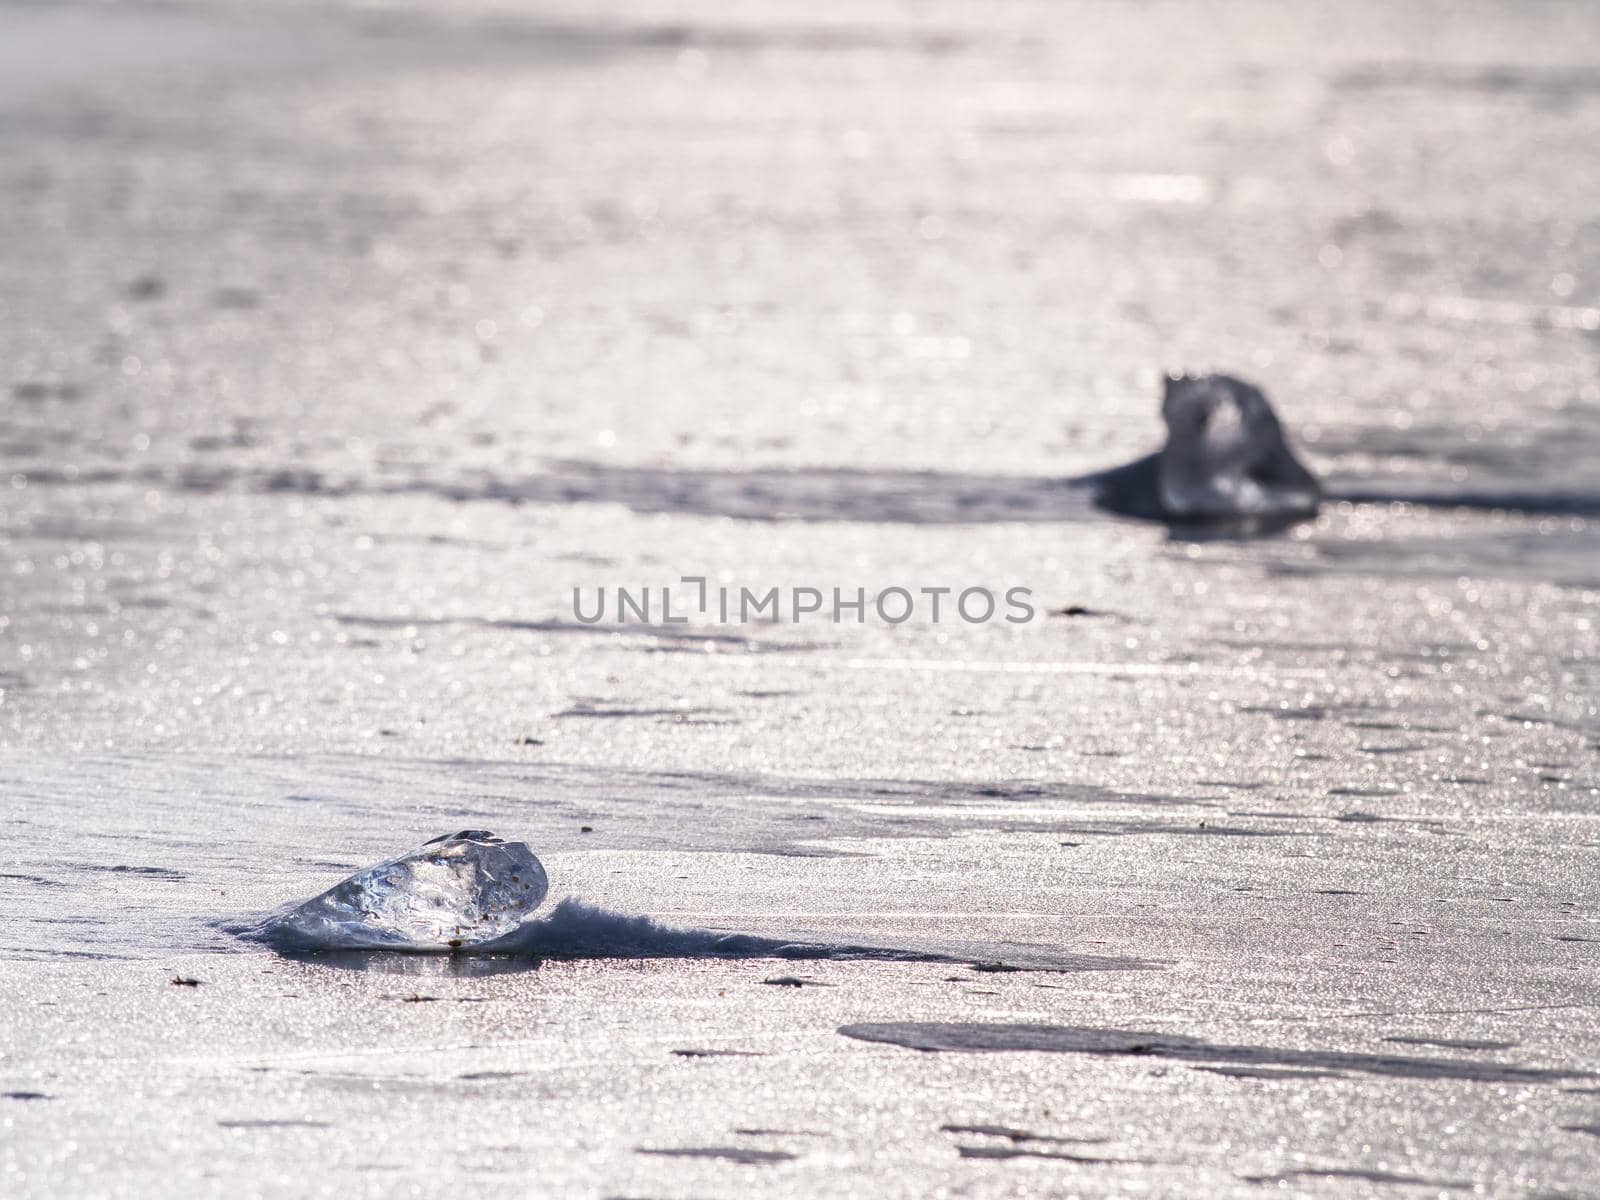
<point x="575" y="929"/>
<point x="1226" y="460"/>
<point x="473" y="894"/>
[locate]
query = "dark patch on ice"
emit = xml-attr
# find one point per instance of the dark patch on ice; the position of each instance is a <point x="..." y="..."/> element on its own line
<point x="24" y="1096"/>
<point x="238" y="440"/>
<point x="1359" y="817"/>
<point x="1591" y="1130"/>
<point x="795" y="981"/>
<point x="165" y="874"/>
<point x="1451" y="1043"/>
<point x="1509" y="552"/>
<point x="1527" y="502"/>
<point x="798" y="494"/>
<point x="1270" y="1073"/>
<point x="1527" y="718"/>
<point x="1399" y="726"/>
<point x="815" y="39"/>
<point x="524" y="35"/>
<point x="743" y="1155"/>
<point x="673" y="636"/>
<point x="621" y="713"/>
<point x="1082" y="610"/>
<point x="236" y="297"/>
<point x="757" y="494"/>
<point x="1007" y="1152"/>
<point x="274" y="1123"/>
<point x="1540" y="79"/>
<point x="37" y="390"/>
<point x="1285" y="713"/>
<point x="720" y="1054"/>
<point x="779" y="1133"/>
<point x="1065" y="1039"/>
<point x="1359" y="1173"/>
<point x="38" y="880"/>
<point x="1020" y="1135"/>
<point x="1195" y="829"/>
<point x="43" y="954"/>
<point x="822" y="494"/>
<point x="676" y="810"/>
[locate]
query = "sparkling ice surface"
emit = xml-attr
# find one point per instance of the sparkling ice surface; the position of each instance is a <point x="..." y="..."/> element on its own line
<point x="455" y="892"/>
<point x="340" y="342"/>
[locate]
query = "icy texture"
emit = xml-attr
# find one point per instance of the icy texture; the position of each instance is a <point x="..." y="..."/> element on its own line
<point x="456" y="892"/>
<point x="1226" y="455"/>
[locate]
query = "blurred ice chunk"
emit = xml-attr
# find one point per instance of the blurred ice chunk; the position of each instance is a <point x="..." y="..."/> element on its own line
<point x="1226" y="464"/>
<point x="1226" y="455"/>
<point x="455" y="892"/>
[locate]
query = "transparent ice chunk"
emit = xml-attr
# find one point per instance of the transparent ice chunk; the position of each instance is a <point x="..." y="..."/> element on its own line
<point x="456" y="892"/>
<point x="1226" y="455"/>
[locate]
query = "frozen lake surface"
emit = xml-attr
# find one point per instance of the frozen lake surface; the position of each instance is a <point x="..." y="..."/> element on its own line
<point x="340" y="344"/>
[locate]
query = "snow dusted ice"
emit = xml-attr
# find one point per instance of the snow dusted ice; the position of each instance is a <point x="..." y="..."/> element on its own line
<point x="340" y="343"/>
